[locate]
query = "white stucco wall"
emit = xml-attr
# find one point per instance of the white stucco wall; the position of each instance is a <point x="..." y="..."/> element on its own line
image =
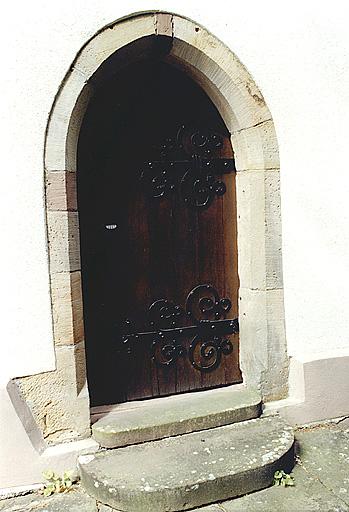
<point x="297" y="54"/>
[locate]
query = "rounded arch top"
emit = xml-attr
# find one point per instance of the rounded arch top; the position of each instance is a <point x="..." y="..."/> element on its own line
<point x="241" y="105"/>
<point x="196" y="51"/>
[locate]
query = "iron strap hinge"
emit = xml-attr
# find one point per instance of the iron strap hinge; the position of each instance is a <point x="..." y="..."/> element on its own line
<point x="208" y="343"/>
<point x="204" y="329"/>
<point x="190" y="164"/>
<point x="168" y="341"/>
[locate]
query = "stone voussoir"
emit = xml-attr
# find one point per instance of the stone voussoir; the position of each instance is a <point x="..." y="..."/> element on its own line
<point x="183" y="472"/>
<point x="157" y="419"/>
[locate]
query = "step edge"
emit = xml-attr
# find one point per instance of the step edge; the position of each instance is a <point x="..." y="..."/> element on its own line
<point x="114" y="413"/>
<point x="233" y="389"/>
<point x="175" y="428"/>
<point x="284" y="460"/>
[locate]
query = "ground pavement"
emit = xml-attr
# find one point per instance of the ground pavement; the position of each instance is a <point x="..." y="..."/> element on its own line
<point x="321" y="478"/>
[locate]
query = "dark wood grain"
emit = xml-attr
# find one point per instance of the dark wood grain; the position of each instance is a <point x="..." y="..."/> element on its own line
<point x="160" y="248"/>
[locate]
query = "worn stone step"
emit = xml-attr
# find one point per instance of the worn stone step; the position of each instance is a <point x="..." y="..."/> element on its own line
<point x="159" y="418"/>
<point x="183" y="472"/>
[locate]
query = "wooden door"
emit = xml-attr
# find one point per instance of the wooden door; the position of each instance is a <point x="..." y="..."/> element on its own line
<point x="156" y="194"/>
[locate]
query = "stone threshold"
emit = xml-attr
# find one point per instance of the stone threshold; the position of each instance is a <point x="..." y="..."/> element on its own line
<point x="148" y="420"/>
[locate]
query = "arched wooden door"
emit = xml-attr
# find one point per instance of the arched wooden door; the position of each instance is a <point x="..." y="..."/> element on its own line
<point x="156" y="195"/>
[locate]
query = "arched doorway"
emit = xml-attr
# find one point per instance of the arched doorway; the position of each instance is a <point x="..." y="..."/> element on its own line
<point x="58" y="401"/>
<point x="157" y="211"/>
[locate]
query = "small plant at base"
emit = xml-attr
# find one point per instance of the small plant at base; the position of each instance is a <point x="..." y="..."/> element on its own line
<point x="283" y="479"/>
<point x="56" y="483"/>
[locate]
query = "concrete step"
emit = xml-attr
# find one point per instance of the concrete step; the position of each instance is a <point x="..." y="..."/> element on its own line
<point x="163" y="417"/>
<point x="183" y="472"/>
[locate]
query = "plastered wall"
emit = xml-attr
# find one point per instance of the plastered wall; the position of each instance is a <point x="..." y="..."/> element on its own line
<point x="297" y="54"/>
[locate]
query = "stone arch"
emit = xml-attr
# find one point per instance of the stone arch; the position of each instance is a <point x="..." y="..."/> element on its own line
<point x="218" y="71"/>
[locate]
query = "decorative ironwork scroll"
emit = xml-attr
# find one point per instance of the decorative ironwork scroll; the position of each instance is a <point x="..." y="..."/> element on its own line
<point x="206" y="355"/>
<point x="204" y="305"/>
<point x="208" y="335"/>
<point x="189" y="163"/>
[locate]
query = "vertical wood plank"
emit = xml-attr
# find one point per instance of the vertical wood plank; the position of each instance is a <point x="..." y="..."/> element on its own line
<point x="160" y="249"/>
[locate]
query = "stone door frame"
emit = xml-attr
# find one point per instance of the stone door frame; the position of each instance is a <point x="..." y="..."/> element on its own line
<point x="58" y="401"/>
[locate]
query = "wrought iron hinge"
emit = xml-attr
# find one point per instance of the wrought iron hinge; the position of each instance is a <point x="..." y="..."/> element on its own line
<point x="208" y="335"/>
<point x="188" y="163"/>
